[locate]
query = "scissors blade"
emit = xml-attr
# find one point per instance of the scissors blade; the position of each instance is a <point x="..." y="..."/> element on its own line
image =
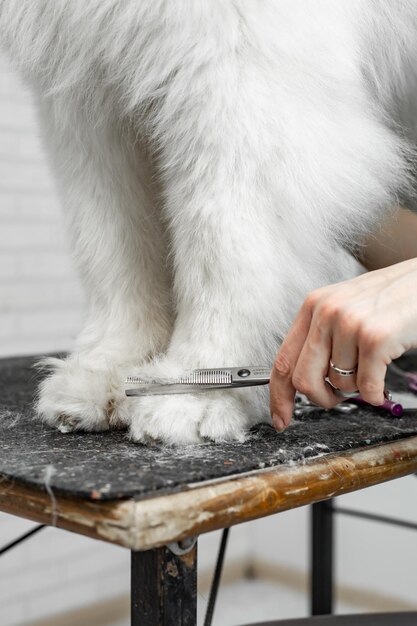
<point x="161" y="390"/>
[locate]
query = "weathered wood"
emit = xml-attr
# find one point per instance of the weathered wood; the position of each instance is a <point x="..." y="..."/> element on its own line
<point x="164" y="588"/>
<point x="153" y="522"/>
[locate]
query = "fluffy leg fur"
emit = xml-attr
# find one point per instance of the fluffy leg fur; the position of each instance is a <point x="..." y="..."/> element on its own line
<point x="119" y="247"/>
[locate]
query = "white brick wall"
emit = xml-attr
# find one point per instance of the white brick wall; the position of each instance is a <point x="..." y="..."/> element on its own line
<point x="40" y="298"/>
<point x="40" y="311"/>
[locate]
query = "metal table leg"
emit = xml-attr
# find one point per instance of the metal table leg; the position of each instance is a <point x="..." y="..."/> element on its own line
<point x="322" y="558"/>
<point x="164" y="587"/>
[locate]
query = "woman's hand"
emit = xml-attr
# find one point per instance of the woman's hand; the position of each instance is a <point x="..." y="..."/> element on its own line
<point x="364" y="322"/>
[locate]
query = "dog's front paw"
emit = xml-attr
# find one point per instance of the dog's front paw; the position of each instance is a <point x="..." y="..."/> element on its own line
<point x="76" y="396"/>
<point x="168" y="419"/>
<point x="186" y="419"/>
<point x="225" y="418"/>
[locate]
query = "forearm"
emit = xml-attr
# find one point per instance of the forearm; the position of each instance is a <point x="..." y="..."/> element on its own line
<point x="394" y="242"/>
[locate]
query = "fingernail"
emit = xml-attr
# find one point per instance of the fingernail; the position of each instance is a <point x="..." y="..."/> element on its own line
<point x="278" y="422"/>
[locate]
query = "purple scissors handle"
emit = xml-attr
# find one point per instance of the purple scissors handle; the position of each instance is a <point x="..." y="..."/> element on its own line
<point x="395" y="408"/>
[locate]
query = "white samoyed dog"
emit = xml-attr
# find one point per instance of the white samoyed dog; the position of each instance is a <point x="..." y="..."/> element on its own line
<point x="215" y="159"/>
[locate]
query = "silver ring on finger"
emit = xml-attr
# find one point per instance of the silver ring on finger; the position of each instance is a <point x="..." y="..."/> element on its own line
<point x="341" y="371"/>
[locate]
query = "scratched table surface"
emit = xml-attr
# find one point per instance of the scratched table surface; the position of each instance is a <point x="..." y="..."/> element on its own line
<point x="107" y="466"/>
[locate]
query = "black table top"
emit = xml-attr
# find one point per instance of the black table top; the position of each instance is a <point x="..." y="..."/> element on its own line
<point x="108" y="466"/>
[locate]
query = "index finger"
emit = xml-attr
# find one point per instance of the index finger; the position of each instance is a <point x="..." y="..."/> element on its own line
<point x="281" y="389"/>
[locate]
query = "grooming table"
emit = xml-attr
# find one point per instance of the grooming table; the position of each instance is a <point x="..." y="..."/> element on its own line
<point x="153" y="501"/>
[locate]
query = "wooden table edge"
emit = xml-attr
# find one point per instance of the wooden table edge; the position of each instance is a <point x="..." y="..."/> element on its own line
<point x="156" y="521"/>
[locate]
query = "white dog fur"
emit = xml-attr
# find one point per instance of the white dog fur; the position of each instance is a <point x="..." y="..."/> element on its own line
<point x="214" y="158"/>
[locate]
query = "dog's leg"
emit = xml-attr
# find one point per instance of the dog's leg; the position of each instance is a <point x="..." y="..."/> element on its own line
<point x="119" y="248"/>
<point x="219" y="162"/>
